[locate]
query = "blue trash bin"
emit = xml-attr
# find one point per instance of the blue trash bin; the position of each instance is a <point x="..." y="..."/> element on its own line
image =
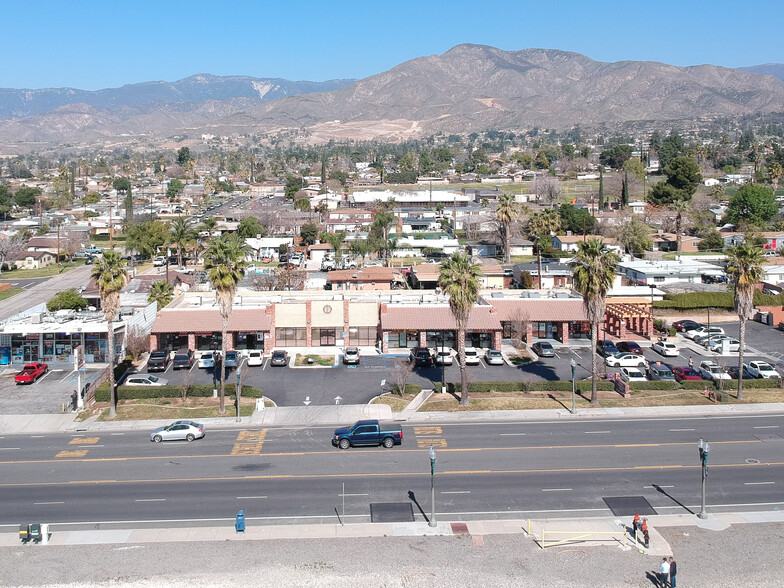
<point x="239" y="524"/>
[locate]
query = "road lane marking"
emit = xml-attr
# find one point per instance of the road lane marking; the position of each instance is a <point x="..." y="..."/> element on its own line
<point x="114" y="434"/>
<point x="150" y="500"/>
<point x="252" y="435"/>
<point x="427" y="431"/>
<point x="37" y="436"/>
<point x="84" y="441"/>
<point x="249" y="497"/>
<point x="44" y="503"/>
<point x="768" y="427"/>
<point x="676" y="430"/>
<point x="756" y="483"/>
<point x="511" y="434"/>
<point x="556" y="489"/>
<point x="353" y="494"/>
<point x="431" y="442"/>
<point x="8" y="448"/>
<point x="595" y="432"/>
<point x="247" y="448"/>
<point x="456" y="492"/>
<point x="657" y="486"/>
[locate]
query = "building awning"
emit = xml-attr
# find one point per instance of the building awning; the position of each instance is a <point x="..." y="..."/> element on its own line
<point x="210" y="321"/>
<point x="436" y="318"/>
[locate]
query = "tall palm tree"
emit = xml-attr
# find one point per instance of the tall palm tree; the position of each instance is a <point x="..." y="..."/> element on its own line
<point x="594" y="272"/>
<point x="110" y="275"/>
<point x="744" y="266"/>
<point x="225" y="263"/>
<point x="506" y="212"/>
<point x="180" y="235"/>
<point x="459" y="279"/>
<point x="161" y="292"/>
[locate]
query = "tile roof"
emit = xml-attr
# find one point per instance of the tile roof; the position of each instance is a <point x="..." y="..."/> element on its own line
<point x="579" y="238"/>
<point x="209" y="320"/>
<point x="533" y="309"/>
<point x="437" y="318"/>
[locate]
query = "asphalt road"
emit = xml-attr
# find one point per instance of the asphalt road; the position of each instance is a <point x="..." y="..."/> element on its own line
<point x="42" y="289"/>
<point x="483" y="471"/>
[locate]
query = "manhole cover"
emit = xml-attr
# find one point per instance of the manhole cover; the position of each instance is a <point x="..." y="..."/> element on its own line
<point x="752" y="461"/>
<point x="628" y="505"/>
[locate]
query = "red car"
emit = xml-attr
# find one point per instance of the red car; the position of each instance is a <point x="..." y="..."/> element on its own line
<point x="685" y="373"/>
<point x="30" y="373"/>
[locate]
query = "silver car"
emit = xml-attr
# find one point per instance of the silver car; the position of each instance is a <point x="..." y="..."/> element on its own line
<point x="145" y="380"/>
<point x="178" y="431"/>
<point x="494" y="357"/>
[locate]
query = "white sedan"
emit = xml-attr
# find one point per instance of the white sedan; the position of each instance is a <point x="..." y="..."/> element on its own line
<point x="443" y="356"/>
<point x="145" y="380"/>
<point x="626" y="360"/>
<point x="761" y="369"/>
<point x="255" y="358"/>
<point x="666" y="349"/>
<point x="207" y="360"/>
<point x="471" y="356"/>
<point x="717" y="346"/>
<point x="494" y="357"/>
<point x="632" y="375"/>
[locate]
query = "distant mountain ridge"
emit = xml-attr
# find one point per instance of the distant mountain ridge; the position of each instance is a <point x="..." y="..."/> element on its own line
<point x="468" y="88"/>
<point x="769" y="69"/>
<point x="192" y="90"/>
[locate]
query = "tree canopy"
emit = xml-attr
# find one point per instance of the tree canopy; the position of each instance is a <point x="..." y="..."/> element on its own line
<point x="576" y="219"/>
<point x="25" y="197"/>
<point x="308" y="232"/>
<point x="67" y="299"/>
<point x="683" y="176"/>
<point x="753" y="204"/>
<point x="250" y="227"/>
<point x="616" y="156"/>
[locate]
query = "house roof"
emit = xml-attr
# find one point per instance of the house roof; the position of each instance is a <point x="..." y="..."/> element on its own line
<point x="551" y="269"/>
<point x="209" y="320"/>
<point x="20" y="255"/>
<point x="366" y="274"/>
<point x="579" y="238"/>
<point x="482" y="318"/>
<point x="321" y="246"/>
<point x="49" y="242"/>
<point x="535" y="309"/>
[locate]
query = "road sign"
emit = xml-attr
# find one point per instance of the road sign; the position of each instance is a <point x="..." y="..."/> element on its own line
<point x="307" y="400"/>
<point x="338" y="399"/>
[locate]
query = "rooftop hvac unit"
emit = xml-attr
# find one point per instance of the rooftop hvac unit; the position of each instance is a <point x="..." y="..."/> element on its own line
<point x="35" y="318"/>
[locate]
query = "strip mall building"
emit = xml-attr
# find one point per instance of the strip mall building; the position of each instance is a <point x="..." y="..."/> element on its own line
<point x="385" y="320"/>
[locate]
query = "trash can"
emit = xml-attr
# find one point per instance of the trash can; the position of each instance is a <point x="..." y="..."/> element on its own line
<point x="44" y="533"/>
<point x="35" y="532"/>
<point x="239" y="524"/>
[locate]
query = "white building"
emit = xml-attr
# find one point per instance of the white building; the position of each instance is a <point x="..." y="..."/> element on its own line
<point x="645" y="273"/>
<point x="412" y="198"/>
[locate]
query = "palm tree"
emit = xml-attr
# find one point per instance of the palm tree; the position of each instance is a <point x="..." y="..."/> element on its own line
<point x="744" y="266"/>
<point x="775" y="172"/>
<point x="110" y="275"/>
<point x="161" y="292"/>
<point x="180" y="235"/>
<point x="225" y="262"/>
<point x="208" y="224"/>
<point x="506" y="212"/>
<point x="594" y="272"/>
<point x="459" y="279"/>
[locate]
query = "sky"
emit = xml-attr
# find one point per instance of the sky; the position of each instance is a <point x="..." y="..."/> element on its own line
<point x="91" y="45"/>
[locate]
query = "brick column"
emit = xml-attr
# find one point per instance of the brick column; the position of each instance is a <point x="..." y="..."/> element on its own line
<point x="564" y="333"/>
<point x="346" y="323"/>
<point x="497" y="339"/>
<point x="192" y="341"/>
<point x="269" y="337"/>
<point x="528" y="336"/>
<point x="384" y="342"/>
<point x="153" y="342"/>
<point x="423" y="338"/>
<point x="308" y="316"/>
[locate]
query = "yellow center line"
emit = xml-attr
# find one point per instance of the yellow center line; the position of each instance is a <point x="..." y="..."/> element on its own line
<point x="387" y="474"/>
<point x="360" y="453"/>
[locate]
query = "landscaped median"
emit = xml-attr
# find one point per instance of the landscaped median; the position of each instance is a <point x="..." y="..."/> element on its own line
<point x="558" y="395"/>
<point x="171" y="402"/>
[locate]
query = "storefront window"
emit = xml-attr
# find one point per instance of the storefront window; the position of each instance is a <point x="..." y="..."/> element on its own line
<point x="362" y="336"/>
<point x="479" y="340"/>
<point x="291" y="337"/>
<point x="542" y="330"/>
<point x="403" y="339"/>
<point x="95" y="347"/>
<point x="48" y="347"/>
<point x="434" y="339"/>
<point x="249" y="340"/>
<point x="323" y="336"/>
<point x="579" y="330"/>
<point x="208" y="342"/>
<point x="173" y="341"/>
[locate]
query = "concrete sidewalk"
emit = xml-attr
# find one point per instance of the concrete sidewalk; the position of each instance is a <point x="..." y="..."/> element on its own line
<point x="584" y="532"/>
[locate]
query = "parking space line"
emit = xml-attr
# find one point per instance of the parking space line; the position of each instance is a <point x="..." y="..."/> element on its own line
<point x="45" y="503"/>
<point x="657" y="486"/>
<point x="556" y="489"/>
<point x="150" y="500"/>
<point x="757" y="483"/>
<point x="249" y="497"/>
<point x="455" y="492"/>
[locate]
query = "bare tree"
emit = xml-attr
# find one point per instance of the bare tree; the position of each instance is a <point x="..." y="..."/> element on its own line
<point x="136" y="343"/>
<point x="547" y="189"/>
<point x="70" y="244"/>
<point x="401" y="372"/>
<point x="186" y="386"/>
<point x="9" y="246"/>
<point x="520" y="322"/>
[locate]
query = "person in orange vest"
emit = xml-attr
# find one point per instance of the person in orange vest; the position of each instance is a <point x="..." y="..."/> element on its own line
<point x="644" y="528"/>
<point x="636" y="522"/>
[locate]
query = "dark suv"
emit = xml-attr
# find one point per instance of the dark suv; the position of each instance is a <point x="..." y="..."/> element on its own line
<point x="159" y="361"/>
<point x="606" y="348"/>
<point x="421" y="357"/>
<point x="183" y="359"/>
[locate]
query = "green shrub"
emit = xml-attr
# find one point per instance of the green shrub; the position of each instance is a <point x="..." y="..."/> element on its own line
<point x="654" y="385"/>
<point x="411" y="389"/>
<point x="761" y="384"/>
<point x="722" y="300"/>
<point x="658" y="324"/>
<point x="566" y="386"/>
<point x="198" y="391"/>
<point x="696" y="384"/>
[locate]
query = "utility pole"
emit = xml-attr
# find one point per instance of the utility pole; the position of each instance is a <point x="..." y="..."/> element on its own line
<point x="59" y="267"/>
<point x="111" y="228"/>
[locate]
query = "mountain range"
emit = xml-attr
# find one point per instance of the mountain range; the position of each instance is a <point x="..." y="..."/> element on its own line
<point x="468" y="88"/>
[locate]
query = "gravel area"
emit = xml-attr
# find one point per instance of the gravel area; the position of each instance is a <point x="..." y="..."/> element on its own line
<point x="744" y="555"/>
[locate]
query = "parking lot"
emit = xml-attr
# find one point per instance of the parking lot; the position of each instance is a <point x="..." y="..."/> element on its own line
<point x="47" y="395"/>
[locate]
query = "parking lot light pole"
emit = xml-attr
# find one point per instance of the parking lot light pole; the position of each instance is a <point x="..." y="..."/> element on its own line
<point x="574" y="367"/>
<point x="432" y="454"/>
<point x="239" y="390"/>
<point x="443" y="364"/>
<point x="703" y="448"/>
<point x="709" y="309"/>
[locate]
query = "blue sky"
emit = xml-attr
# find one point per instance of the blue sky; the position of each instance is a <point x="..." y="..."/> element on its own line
<point x="90" y="45"/>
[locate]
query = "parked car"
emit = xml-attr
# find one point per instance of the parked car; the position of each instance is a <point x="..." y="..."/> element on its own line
<point x="494" y="357"/>
<point x="159" y="261"/>
<point x="183" y="359"/>
<point x="733" y="372"/>
<point x="703" y="331"/>
<point x="351" y="356"/>
<point x="421" y="357"/>
<point x="717" y="345"/>
<point x="707" y="340"/>
<point x="666" y="348"/>
<point x="543" y="349"/>
<point x="144" y="380"/>
<point x="158" y="361"/>
<point x="207" y="359"/>
<point x="761" y="369"/>
<point x="710" y="370"/>
<point x="630" y="374"/>
<point x="255" y="358"/>
<point x="606" y="348"/>
<point x="443" y="356"/>
<point x="626" y="360"/>
<point x="178" y="431"/>
<point x="231" y="359"/>
<point x="685" y="373"/>
<point x="686" y="325"/>
<point x="471" y="356"/>
<point x="30" y="373"/>
<point x="660" y="371"/>
<point x="279" y="358"/>
<point x="368" y="433"/>
<point x="628" y="347"/>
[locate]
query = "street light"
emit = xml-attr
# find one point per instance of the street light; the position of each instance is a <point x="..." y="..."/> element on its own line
<point x="709" y="309"/>
<point x="704" y="448"/>
<point x="443" y="364"/>
<point x="239" y="390"/>
<point x="432" y="454"/>
<point x="574" y="367"/>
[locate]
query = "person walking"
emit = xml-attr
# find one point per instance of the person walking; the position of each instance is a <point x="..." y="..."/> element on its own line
<point x="636" y="523"/>
<point x="673" y="571"/>
<point x="644" y="529"/>
<point x="664" y="572"/>
<point x="691" y="362"/>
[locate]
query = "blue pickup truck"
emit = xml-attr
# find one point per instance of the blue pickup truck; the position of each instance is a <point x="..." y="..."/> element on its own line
<point x="368" y="433"/>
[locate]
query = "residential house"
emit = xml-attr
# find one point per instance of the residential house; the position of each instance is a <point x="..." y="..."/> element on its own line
<point x="31" y="259"/>
<point x="669" y="242"/>
<point x="366" y="278"/>
<point x="571" y="242"/>
<point x="646" y="273"/>
<point x="348" y="220"/>
<point x="554" y="274"/>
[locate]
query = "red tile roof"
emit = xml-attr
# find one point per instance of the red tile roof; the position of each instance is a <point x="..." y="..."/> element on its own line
<point x="436" y="318"/>
<point x="209" y="320"/>
<point x="366" y="274"/>
<point x="547" y="309"/>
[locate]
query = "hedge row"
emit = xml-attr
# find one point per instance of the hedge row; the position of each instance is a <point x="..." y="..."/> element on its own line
<point x="539" y="386"/>
<point x="654" y="385"/>
<point x="198" y="391"/>
<point x="411" y="388"/>
<point x="723" y="300"/>
<point x="764" y="384"/>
